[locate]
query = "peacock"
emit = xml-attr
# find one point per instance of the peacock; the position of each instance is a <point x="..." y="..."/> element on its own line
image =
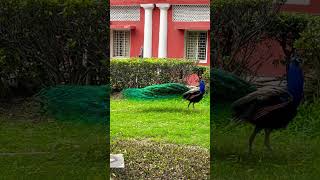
<point x="271" y="108"/>
<point x="195" y="95"/>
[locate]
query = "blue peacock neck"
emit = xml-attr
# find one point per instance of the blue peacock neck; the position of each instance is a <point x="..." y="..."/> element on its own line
<point x="202" y="86"/>
<point x="295" y="82"/>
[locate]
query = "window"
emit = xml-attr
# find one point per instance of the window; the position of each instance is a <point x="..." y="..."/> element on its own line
<point x="120" y="44"/>
<point x="191" y="13"/>
<point x="196" y="46"/>
<point x="124" y="13"/>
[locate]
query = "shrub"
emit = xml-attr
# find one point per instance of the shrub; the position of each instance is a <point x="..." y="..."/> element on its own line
<point x="309" y="47"/>
<point x="204" y="71"/>
<point x="237" y="26"/>
<point x="51" y="42"/>
<point x="286" y="28"/>
<point x="137" y="73"/>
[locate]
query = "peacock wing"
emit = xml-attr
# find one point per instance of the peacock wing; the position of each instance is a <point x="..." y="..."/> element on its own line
<point x="275" y="103"/>
<point x="189" y="94"/>
<point x="261" y="102"/>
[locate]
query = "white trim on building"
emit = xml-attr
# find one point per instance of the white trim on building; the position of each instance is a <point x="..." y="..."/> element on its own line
<point x="125" y="13"/>
<point x="147" y="39"/>
<point x="163" y="30"/>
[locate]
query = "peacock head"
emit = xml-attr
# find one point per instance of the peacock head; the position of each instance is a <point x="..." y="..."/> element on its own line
<point x="202" y="86"/>
<point x="295" y="79"/>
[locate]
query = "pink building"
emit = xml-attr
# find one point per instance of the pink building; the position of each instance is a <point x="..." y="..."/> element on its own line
<point x="161" y="29"/>
<point x="270" y="50"/>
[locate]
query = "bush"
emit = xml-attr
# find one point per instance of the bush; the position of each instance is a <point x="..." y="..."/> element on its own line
<point x="49" y="42"/>
<point x="309" y="48"/>
<point x="137" y="73"/>
<point x="286" y="28"/>
<point x="237" y="26"/>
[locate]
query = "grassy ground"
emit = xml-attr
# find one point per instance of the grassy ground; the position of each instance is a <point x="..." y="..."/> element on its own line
<point x="37" y="148"/>
<point x="169" y="131"/>
<point x="295" y="153"/>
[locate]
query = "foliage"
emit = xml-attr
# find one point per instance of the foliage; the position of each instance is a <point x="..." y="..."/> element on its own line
<point x="48" y="42"/>
<point x="285" y="29"/>
<point x="236" y="28"/>
<point x="206" y="78"/>
<point x="204" y="71"/>
<point x="137" y="73"/>
<point x="309" y="47"/>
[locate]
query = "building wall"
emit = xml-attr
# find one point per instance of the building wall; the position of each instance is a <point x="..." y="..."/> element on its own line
<point x="270" y="50"/>
<point x="137" y="2"/>
<point x="175" y="37"/>
<point x="306" y="6"/>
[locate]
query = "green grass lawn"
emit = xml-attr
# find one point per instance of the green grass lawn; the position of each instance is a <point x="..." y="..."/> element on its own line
<point x="69" y="150"/>
<point x="167" y="125"/>
<point x="295" y="153"/>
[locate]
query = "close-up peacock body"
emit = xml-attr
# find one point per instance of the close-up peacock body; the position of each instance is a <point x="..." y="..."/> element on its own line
<point x="271" y="108"/>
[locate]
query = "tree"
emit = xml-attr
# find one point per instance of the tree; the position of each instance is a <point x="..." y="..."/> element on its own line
<point x="237" y="27"/>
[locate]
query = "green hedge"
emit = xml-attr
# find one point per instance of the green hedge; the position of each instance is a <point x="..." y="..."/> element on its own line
<point x="137" y="73"/>
<point x="286" y="29"/>
<point x="49" y="42"/>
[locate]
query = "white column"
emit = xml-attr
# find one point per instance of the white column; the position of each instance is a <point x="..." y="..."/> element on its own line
<point x="147" y="39"/>
<point x="163" y="30"/>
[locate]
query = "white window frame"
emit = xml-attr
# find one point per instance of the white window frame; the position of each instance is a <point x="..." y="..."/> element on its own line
<point x="111" y="44"/>
<point x="197" y="20"/>
<point x="133" y="13"/>
<point x="185" y="45"/>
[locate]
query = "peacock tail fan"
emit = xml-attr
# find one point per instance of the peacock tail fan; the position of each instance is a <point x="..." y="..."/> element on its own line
<point x="76" y="103"/>
<point x="154" y="92"/>
<point x="229" y="87"/>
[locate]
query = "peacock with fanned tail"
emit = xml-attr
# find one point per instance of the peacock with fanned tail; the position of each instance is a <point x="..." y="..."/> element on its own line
<point x="271" y="108"/>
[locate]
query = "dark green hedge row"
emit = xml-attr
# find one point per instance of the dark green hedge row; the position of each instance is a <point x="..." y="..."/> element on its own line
<point x="49" y="42"/>
<point x="137" y="73"/>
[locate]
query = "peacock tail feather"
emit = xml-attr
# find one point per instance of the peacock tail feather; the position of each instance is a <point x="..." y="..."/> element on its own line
<point x="80" y="103"/>
<point x="158" y="91"/>
<point x="229" y="87"/>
